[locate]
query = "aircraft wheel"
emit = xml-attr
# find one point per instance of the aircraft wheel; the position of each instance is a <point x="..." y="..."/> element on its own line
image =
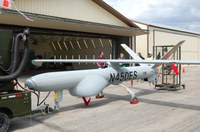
<point x="4" y="122"/>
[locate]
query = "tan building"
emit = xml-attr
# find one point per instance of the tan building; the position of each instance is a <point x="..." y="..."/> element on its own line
<point x="159" y="36"/>
<point x="73" y="29"/>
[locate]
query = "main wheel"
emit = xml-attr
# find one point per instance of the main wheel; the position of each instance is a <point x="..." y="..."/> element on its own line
<point x="4" y="122"/>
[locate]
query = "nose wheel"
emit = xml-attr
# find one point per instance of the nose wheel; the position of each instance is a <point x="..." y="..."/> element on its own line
<point x="134" y="100"/>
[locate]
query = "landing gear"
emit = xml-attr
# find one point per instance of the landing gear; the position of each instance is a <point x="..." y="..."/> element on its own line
<point x="46" y="109"/>
<point x="58" y="96"/>
<point x="4" y="122"/>
<point x="134" y="100"/>
<point x="99" y="96"/>
<point x="86" y="101"/>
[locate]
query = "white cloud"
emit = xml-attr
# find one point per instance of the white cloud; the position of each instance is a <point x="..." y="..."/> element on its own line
<point x="183" y="14"/>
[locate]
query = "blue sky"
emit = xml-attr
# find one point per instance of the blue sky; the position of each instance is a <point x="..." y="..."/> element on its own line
<point x="178" y="14"/>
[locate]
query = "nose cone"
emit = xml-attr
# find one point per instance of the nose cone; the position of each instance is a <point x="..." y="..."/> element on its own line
<point x="30" y="84"/>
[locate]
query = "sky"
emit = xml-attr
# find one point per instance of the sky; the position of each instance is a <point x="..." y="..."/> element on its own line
<point x="178" y="14"/>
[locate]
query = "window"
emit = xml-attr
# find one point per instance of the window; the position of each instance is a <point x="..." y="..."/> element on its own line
<point x="59" y="45"/>
<point x="110" y="42"/>
<point x="101" y="43"/>
<point x="85" y="44"/>
<point x="94" y="57"/>
<point x="86" y="57"/>
<point x="71" y="45"/>
<point x="53" y="45"/>
<point x="93" y="43"/>
<point x="110" y="56"/>
<point x="65" y="45"/>
<point x="78" y="44"/>
<point x="60" y="58"/>
<point x="79" y="57"/>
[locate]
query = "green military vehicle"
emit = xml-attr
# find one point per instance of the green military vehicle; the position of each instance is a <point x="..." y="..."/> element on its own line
<point x="13" y="103"/>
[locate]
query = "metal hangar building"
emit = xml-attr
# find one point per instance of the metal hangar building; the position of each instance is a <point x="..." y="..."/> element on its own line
<point x="161" y="36"/>
<point x="72" y="29"/>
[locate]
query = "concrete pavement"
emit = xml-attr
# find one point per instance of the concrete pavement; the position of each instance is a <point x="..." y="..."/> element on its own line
<point x="158" y="110"/>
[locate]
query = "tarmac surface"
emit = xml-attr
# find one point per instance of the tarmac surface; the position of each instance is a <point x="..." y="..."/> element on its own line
<point x="157" y="111"/>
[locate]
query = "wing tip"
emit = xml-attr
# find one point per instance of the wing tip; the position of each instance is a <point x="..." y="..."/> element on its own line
<point x="123" y="45"/>
<point x="36" y="63"/>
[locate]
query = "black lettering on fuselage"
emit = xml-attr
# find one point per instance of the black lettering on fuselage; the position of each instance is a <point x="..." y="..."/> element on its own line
<point x="127" y="75"/>
<point x="131" y="75"/>
<point x="135" y="74"/>
<point x="117" y="77"/>
<point x="122" y="76"/>
<point x="112" y="77"/>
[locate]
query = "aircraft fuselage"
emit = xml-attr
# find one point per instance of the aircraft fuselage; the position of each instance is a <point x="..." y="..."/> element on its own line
<point x="55" y="81"/>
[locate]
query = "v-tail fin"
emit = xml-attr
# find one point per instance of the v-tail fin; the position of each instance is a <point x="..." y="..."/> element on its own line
<point x="174" y="49"/>
<point x="131" y="53"/>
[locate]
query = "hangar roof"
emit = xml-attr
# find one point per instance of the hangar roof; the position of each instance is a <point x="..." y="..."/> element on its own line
<point x="115" y="13"/>
<point x="12" y="17"/>
<point x="165" y="27"/>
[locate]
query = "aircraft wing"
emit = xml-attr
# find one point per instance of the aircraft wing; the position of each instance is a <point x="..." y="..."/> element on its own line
<point x="38" y="62"/>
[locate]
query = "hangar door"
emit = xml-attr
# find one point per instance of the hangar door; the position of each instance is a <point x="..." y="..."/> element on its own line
<point x="69" y="47"/>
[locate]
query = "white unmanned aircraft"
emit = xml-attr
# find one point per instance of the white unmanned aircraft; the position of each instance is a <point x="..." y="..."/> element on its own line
<point x="86" y="83"/>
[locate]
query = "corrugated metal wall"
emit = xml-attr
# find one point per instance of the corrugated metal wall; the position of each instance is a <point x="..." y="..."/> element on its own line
<point x="162" y="36"/>
<point x="141" y="42"/>
<point x="85" y="10"/>
<point x="190" y="49"/>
